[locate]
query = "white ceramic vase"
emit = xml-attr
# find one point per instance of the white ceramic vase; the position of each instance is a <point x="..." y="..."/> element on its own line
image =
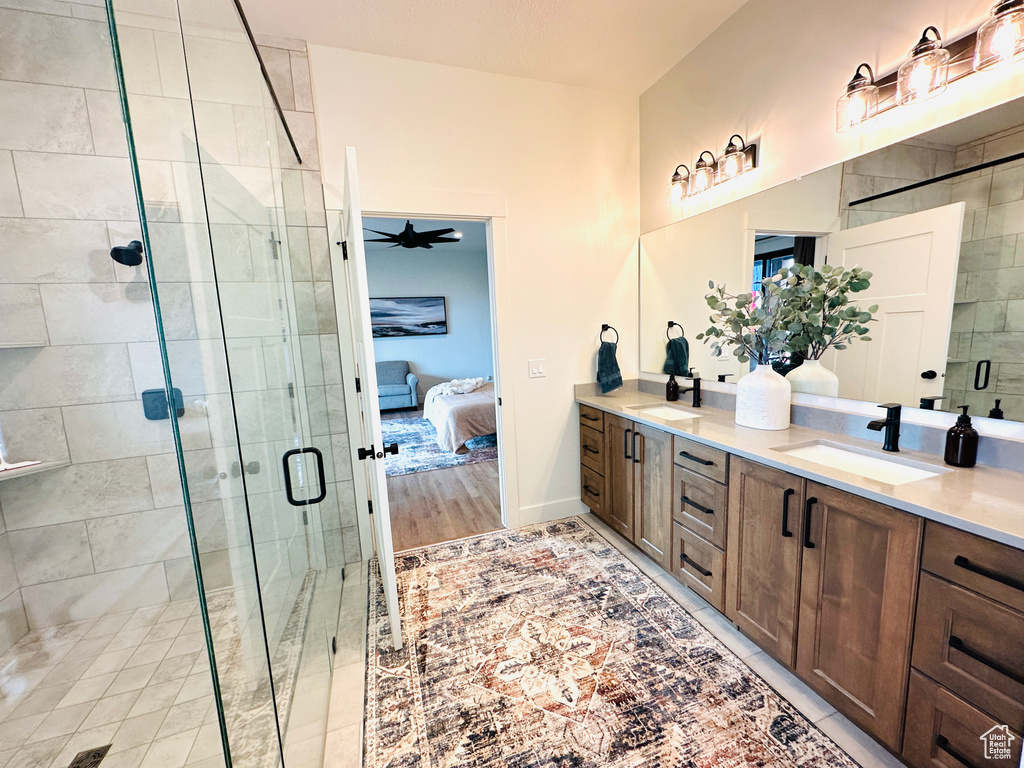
<point x="813" y="378"/>
<point x="762" y="399"/>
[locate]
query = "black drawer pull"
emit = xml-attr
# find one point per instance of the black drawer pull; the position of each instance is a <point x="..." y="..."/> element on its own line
<point x="957" y="644"/>
<point x="942" y="743"/>
<point x="625" y="444"/>
<point x="808" y="509"/>
<point x="697" y="568"/>
<point x="591" y="449"/>
<point x="695" y="505"/>
<point x="590" y="418"/>
<point x="967" y="565"/>
<point x="592" y="492"/>
<point x="698" y="459"/>
<point x="636" y="456"/>
<point x="786" y="533"/>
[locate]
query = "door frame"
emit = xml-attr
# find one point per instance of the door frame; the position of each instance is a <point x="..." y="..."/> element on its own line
<point x="430" y="204"/>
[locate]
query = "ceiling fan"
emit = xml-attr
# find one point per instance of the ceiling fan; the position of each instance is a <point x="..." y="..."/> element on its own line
<point x="410" y="238"/>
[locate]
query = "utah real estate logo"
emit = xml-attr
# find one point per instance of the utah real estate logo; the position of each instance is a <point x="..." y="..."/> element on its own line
<point x="997" y="742"/>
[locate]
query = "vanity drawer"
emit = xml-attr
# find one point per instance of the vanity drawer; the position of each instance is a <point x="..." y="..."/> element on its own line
<point x="592" y="489"/>
<point x="944" y="731"/>
<point x="591" y="417"/>
<point x="698" y="565"/>
<point x="973" y="646"/>
<point x="701" y="459"/>
<point x="592" y="449"/>
<point x="700" y="504"/>
<point x="994" y="570"/>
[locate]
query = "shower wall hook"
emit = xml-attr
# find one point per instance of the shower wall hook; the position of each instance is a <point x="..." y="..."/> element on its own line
<point x="668" y="331"/>
<point x="606" y="327"/>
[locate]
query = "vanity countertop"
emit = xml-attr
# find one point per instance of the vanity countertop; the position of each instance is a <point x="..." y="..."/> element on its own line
<point x="981" y="500"/>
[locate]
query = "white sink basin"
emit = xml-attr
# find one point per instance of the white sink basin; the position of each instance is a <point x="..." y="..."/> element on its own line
<point x="661" y="411"/>
<point x="861" y="461"/>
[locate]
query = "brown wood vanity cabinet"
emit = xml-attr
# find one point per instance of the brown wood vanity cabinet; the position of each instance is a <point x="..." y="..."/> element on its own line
<point x="968" y="657"/>
<point x="700" y="513"/>
<point x="593" y="467"/>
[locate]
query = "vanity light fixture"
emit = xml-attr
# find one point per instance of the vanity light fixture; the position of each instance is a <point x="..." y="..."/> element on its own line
<point x="733" y="161"/>
<point x="925" y="73"/>
<point x="1000" y="38"/>
<point x="860" y="102"/>
<point x="679" y="187"/>
<point x="703" y="177"/>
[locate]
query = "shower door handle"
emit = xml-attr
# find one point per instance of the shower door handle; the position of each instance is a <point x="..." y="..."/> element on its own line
<point x="288" y="476"/>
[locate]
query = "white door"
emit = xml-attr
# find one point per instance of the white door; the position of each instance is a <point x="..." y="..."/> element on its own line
<point x="914" y="260"/>
<point x="369" y="407"/>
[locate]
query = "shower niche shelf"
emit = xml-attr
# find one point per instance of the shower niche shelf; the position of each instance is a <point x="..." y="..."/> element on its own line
<point x="7" y="474"/>
<point x="21" y="344"/>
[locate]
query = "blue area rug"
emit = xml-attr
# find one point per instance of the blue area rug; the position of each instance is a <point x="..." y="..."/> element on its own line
<point x="418" y="450"/>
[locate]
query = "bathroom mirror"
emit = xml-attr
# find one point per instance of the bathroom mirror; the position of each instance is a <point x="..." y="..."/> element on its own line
<point x="948" y="272"/>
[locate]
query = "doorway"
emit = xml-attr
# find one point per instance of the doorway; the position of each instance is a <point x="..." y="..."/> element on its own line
<point x="431" y="311"/>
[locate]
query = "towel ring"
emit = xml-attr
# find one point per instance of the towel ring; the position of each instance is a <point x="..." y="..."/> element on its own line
<point x="668" y="331"/>
<point x="606" y="327"/>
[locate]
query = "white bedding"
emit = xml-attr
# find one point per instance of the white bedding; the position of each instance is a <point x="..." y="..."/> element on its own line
<point x="459" y="418"/>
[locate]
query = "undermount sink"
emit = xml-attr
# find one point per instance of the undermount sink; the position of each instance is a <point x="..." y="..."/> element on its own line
<point x="862" y="461"/>
<point x="662" y="411"/>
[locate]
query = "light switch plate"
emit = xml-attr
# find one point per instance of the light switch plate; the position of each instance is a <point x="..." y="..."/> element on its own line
<point x="536" y="369"/>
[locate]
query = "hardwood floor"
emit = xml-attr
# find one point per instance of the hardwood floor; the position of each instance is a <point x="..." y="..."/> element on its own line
<point x="444" y="504"/>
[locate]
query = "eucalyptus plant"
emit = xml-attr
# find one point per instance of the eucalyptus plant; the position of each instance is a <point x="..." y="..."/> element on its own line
<point x="754" y="329"/>
<point x="816" y="309"/>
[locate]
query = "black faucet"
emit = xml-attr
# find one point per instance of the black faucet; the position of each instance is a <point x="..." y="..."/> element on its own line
<point x="695" y="389"/>
<point x="891" y="425"/>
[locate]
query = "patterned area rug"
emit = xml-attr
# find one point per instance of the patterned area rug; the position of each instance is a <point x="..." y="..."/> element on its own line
<point x="544" y="646"/>
<point x="418" y="450"/>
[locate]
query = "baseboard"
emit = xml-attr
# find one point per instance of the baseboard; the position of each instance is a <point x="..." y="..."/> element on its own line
<point x="552" y="510"/>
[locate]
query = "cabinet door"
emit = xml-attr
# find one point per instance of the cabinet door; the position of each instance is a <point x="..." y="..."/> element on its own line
<point x="857" y="595"/>
<point x="763" y="566"/>
<point x="652" y="508"/>
<point x="618" y="509"/>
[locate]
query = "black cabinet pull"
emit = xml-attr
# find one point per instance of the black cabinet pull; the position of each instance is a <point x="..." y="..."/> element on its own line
<point x="942" y="743"/>
<point x="957" y="644"/>
<point x="625" y="444"/>
<point x="683" y="558"/>
<point x="962" y="562"/>
<point x="786" y="533"/>
<point x="698" y="459"/>
<point x="695" y="505"/>
<point x="590" y="449"/>
<point x="392" y="449"/>
<point x="591" y="492"/>
<point x="288" y="477"/>
<point x="808" y="508"/>
<point x="590" y="418"/>
<point x="636" y="456"/>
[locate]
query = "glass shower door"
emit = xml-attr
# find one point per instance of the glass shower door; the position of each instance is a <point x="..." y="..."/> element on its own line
<point x="204" y="144"/>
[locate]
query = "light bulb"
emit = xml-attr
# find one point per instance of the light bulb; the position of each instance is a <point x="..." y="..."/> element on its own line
<point x="859" y="103"/>
<point x="925" y="72"/>
<point x="675" y="193"/>
<point x="457" y="234"/>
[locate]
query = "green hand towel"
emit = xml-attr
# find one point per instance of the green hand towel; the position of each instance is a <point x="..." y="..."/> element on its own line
<point x="608" y="374"/>
<point x="677" y="357"/>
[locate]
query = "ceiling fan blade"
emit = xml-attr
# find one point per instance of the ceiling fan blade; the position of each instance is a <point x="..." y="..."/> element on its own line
<point x="386" y="234"/>
<point x="380" y="240"/>
<point x="435" y="232"/>
<point x="445" y="240"/>
<point x="425" y="245"/>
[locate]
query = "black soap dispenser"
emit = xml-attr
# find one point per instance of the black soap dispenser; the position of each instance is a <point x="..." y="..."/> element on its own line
<point x="962" y="442"/>
<point x="996" y="412"/>
<point x="672" y="389"/>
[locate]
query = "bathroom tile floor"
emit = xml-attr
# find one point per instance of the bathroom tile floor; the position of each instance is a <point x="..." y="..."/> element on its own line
<point x="137" y="680"/>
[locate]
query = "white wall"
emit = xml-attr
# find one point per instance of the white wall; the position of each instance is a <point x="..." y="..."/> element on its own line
<point x="459" y="276"/>
<point x="773" y="72"/>
<point x="564" y="161"/>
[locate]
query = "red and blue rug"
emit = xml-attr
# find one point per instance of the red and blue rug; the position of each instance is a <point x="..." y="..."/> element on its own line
<point x="418" y="450"/>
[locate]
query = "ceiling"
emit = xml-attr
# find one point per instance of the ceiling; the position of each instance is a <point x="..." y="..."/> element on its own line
<point x="612" y="45"/>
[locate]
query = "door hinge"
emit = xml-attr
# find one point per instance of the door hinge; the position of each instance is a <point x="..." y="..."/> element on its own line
<point x="344" y="250"/>
<point x="291" y="390"/>
<point x="366" y="453"/>
<point x="359" y="386"/>
<point x="370" y="505"/>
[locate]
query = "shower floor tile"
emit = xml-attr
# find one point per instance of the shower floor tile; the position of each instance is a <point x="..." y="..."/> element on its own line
<point x="138" y="680"/>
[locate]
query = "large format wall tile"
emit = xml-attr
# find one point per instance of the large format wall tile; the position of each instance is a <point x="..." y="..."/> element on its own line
<point x="75" y="186"/>
<point x="104" y="431"/>
<point x="13" y="624"/>
<point x="35" y="434"/>
<point x="50" y="118"/>
<point x="23" y="323"/>
<point x="10" y="197"/>
<point x="8" y="576"/>
<point x="51" y="553"/>
<point x="55" y="251"/>
<point x="78" y="492"/>
<point x="29" y="41"/>
<point x="35" y="378"/>
<point x="106" y="123"/>
<point x="86" y="597"/>
<point x="138" y="538"/>
<point x="98" y="313"/>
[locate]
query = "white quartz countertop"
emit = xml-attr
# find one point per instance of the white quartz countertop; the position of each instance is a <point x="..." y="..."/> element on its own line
<point x="981" y="500"/>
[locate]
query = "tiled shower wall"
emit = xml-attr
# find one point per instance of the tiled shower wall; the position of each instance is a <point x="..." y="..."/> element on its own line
<point x="988" y="310"/>
<point x="107" y="532"/>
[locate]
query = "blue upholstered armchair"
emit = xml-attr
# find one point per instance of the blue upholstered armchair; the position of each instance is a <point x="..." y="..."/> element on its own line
<point x="396" y="385"/>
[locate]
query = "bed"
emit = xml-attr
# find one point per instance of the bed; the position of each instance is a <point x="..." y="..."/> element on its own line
<point x="458" y="418"/>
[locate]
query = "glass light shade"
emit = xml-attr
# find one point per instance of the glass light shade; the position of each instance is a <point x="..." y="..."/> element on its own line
<point x="678" y="187"/>
<point x="1001" y="38"/>
<point x="731" y="164"/>
<point x="703" y="176"/>
<point x="858" y="105"/>
<point x="925" y="73"/>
